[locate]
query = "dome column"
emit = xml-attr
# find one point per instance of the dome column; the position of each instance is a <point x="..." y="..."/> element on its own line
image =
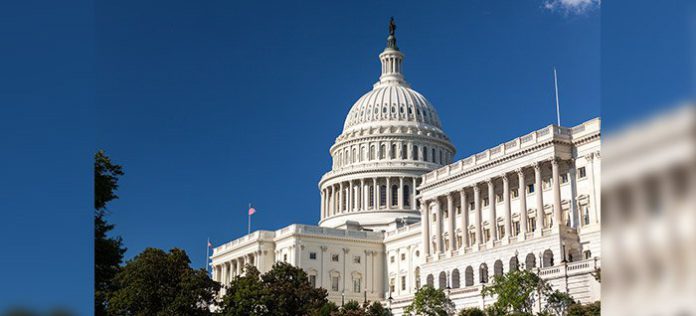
<point x="389" y="194"/>
<point x="401" y="193"/>
<point x="363" y="195"/>
<point x="340" y="197"/>
<point x="375" y="192"/>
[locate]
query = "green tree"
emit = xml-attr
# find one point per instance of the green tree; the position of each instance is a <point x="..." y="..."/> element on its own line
<point x="328" y="309"/>
<point x="284" y="290"/>
<point x="592" y="309"/>
<point x="472" y="311"/>
<point x="289" y="291"/>
<point x="351" y="308"/>
<point x="160" y="283"/>
<point x="429" y="301"/>
<point x="245" y="295"/>
<point x="376" y="309"/>
<point x="558" y="302"/>
<point x="108" y="251"/>
<point x="516" y="291"/>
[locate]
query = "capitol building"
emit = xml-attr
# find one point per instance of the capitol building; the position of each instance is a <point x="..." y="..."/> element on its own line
<point x="397" y="212"/>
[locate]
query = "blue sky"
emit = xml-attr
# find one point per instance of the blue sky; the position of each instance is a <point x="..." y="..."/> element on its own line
<point x="210" y="105"/>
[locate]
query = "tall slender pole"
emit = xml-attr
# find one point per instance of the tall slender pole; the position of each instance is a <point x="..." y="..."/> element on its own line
<point x="249" y="222"/>
<point x="558" y="108"/>
<point x="207" y="254"/>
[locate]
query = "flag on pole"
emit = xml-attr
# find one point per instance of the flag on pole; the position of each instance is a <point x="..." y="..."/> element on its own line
<point x="251" y="211"/>
<point x="209" y="244"/>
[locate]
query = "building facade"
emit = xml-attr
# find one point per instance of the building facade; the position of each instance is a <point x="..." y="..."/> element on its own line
<point x="397" y="212"/>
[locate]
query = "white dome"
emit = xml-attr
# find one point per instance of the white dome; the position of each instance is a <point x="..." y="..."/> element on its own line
<point x="391" y="103"/>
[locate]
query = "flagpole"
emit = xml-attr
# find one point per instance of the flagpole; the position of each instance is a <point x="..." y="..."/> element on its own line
<point x="249" y="224"/>
<point x="558" y="108"/>
<point x="207" y="255"/>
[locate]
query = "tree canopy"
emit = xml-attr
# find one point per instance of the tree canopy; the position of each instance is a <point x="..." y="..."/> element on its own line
<point x="516" y="291"/>
<point x="160" y="283"/>
<point x="108" y="251"/>
<point x="429" y="301"/>
<point x="284" y="290"/>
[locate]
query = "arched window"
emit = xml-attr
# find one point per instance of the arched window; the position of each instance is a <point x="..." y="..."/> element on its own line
<point x="346" y="157"/>
<point x="371" y="197"/>
<point x="417" y="276"/>
<point x="393" y="151"/>
<point x="430" y="280"/>
<point x="372" y="152"/>
<point x="425" y="153"/>
<point x="514" y="265"/>
<point x="415" y="152"/>
<point x="483" y="273"/>
<point x="404" y="151"/>
<point x="355" y="156"/>
<point x="498" y="268"/>
<point x="469" y="276"/>
<point x="587" y="254"/>
<point x="394" y="195"/>
<point x="548" y="258"/>
<point x="432" y="155"/>
<point x="382" y="195"/>
<point x="442" y="280"/>
<point x="362" y="153"/>
<point x="382" y="151"/>
<point x="455" y="278"/>
<point x="407" y="195"/>
<point x="441" y="160"/>
<point x="530" y="261"/>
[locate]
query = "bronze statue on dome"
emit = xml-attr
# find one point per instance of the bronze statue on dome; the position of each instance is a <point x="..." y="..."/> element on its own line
<point x="392" y="26"/>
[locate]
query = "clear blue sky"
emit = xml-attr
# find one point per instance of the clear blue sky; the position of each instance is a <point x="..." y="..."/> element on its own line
<point x="210" y="105"/>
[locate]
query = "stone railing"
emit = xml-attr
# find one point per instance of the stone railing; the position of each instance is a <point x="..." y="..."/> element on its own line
<point x="402" y="230"/>
<point x="570" y="268"/>
<point x="257" y="235"/>
<point x="510" y="147"/>
<point x="325" y="231"/>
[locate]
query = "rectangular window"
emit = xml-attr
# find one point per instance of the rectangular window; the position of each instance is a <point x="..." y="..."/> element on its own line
<point x="582" y="172"/>
<point x="459" y="210"/>
<point x="334" y="283"/>
<point x="472" y="205"/>
<point x="403" y="283"/>
<point x="334" y="257"/>
<point x="403" y="256"/>
<point x="546" y="183"/>
<point x="285" y="257"/>
<point x="501" y="231"/>
<point x="356" y="259"/>
<point x="391" y="285"/>
<point x="391" y="259"/>
<point x="313" y="280"/>
<point x="516" y="228"/>
<point x="530" y="188"/>
<point x="564" y="178"/>
<point x="531" y="224"/>
<point x="515" y="193"/>
<point x="486" y="235"/>
<point x="498" y="198"/>
<point x="312" y="256"/>
<point x="485" y="202"/>
<point x="356" y="285"/>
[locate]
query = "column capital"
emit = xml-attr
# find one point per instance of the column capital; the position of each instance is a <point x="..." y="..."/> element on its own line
<point x="555" y="161"/>
<point x="323" y="248"/>
<point x="537" y="166"/>
<point x="504" y="176"/>
<point x="477" y="188"/>
<point x="346" y="250"/>
<point x="519" y="171"/>
<point x="589" y="156"/>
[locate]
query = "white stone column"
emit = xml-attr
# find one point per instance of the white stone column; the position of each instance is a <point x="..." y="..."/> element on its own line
<point x="557" y="211"/>
<point x="413" y="193"/>
<point x="464" y="205"/>
<point x="506" y="207"/>
<point x="438" y="224"/>
<point x="477" y="217"/>
<point x="363" y="195"/>
<point x="375" y="194"/>
<point x="589" y="172"/>
<point x="451" y="216"/>
<point x="340" y="197"/>
<point x="522" y="194"/>
<point x="349" y="197"/>
<point x="491" y="209"/>
<point x="401" y="193"/>
<point x="425" y="228"/>
<point x="332" y="202"/>
<point x="389" y="206"/>
<point x="323" y="203"/>
<point x="539" y="192"/>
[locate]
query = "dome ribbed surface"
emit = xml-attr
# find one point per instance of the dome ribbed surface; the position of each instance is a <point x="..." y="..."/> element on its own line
<point x="388" y="104"/>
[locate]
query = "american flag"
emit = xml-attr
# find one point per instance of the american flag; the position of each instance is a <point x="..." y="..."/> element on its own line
<point x="252" y="211"/>
<point x="210" y="245"/>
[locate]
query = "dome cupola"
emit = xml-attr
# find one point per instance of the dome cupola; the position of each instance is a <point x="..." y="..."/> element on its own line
<point x="392" y="135"/>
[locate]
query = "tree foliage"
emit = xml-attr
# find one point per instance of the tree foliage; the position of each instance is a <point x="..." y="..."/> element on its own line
<point x="284" y="290"/>
<point x="558" y="302"/>
<point x="592" y="309"/>
<point x="516" y="291"/>
<point x="160" y="283"/>
<point x="472" y="311"/>
<point x="108" y="251"/>
<point x="429" y="301"/>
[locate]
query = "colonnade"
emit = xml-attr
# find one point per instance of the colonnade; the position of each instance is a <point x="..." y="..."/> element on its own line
<point x="369" y="194"/>
<point x="485" y="192"/>
<point x="225" y="272"/>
